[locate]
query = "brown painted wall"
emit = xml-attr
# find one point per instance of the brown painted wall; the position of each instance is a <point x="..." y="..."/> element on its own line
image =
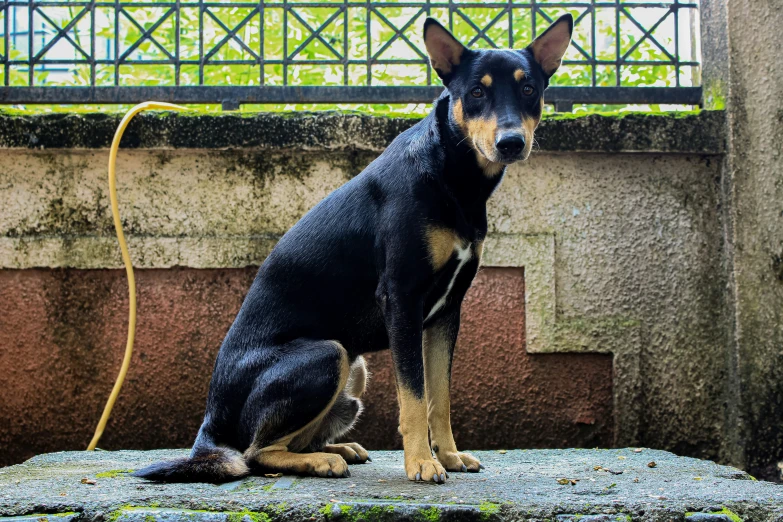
<point x="62" y="332"/>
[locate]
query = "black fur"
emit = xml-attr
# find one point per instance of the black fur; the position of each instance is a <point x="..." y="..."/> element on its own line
<point x="208" y="464"/>
<point x="356" y="269"/>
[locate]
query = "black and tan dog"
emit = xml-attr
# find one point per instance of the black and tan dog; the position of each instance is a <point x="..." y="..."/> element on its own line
<point x="383" y="262"/>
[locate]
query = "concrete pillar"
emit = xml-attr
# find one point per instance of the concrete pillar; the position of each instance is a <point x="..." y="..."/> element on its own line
<point x="755" y="240"/>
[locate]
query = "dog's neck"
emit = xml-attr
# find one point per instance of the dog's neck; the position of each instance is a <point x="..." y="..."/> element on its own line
<point x="470" y="180"/>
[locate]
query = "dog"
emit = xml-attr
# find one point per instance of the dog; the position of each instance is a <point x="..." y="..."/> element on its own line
<point x="383" y="262"/>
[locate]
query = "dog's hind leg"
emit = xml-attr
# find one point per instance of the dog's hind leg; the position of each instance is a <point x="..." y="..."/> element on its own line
<point x="289" y="404"/>
<point x="343" y="416"/>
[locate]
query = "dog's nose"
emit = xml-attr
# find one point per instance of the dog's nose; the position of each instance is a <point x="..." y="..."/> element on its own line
<point x="510" y="144"/>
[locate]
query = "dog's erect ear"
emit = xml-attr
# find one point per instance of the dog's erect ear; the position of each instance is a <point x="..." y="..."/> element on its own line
<point x="445" y="51"/>
<point x="548" y="49"/>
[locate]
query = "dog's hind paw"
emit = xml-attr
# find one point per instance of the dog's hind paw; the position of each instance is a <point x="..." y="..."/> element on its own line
<point x="352" y="453"/>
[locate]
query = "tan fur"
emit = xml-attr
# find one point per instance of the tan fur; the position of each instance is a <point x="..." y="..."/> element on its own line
<point x="436" y="384"/>
<point x="357" y="380"/>
<point x="528" y="128"/>
<point x="490" y="168"/>
<point x="348" y="451"/>
<point x="415" y="437"/>
<point x="481" y="136"/>
<point x="443" y="49"/>
<point x="441" y="243"/>
<point x="479" y="250"/>
<point x="459" y="115"/>
<point x="235" y="465"/>
<point x="481" y="132"/>
<point x="302" y="463"/>
<point x="300" y="439"/>
<point x="519" y="74"/>
<point x="486" y="80"/>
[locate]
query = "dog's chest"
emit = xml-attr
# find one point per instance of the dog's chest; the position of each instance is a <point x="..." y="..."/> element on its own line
<point x="454" y="277"/>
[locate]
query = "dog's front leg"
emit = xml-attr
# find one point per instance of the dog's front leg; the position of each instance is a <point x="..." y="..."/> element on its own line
<point x="402" y="311"/>
<point x="438" y="348"/>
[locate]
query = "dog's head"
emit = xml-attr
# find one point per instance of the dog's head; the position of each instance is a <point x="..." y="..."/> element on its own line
<point x="497" y="96"/>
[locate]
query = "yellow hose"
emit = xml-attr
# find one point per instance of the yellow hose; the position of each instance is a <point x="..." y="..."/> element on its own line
<point x="115" y="211"/>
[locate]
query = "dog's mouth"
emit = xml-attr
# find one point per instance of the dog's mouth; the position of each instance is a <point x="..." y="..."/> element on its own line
<point x="495" y="156"/>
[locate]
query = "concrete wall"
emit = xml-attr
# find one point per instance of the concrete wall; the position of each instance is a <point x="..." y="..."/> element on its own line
<point x="599" y="314"/>
<point x="755" y="181"/>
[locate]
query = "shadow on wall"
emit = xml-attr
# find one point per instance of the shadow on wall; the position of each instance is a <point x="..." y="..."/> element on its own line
<point x="63" y="330"/>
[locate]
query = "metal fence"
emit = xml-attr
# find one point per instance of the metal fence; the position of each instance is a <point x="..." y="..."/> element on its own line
<point x="236" y="52"/>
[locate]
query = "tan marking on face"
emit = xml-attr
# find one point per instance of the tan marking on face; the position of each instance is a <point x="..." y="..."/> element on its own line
<point x="301" y="438"/>
<point x="486" y="80"/>
<point x="528" y="129"/>
<point x="441" y="242"/>
<point x="459" y="115"/>
<point x="481" y="132"/>
<point x="481" y="136"/>
<point x="519" y="74"/>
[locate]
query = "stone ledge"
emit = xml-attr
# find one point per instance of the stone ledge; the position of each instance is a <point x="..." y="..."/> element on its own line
<point x="516" y="485"/>
<point x="699" y="133"/>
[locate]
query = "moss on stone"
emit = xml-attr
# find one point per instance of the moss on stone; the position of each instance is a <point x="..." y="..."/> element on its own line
<point x="113" y="473"/>
<point x="349" y="130"/>
<point x="51" y="515"/>
<point x="488" y="510"/>
<point x="117" y="513"/>
<point x="725" y="511"/>
<point x="431" y="514"/>
<point x="714" y="94"/>
<point x="376" y="513"/>
<point x="621" y="114"/>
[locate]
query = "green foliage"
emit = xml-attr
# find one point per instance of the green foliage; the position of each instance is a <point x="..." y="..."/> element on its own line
<point x="265" y="33"/>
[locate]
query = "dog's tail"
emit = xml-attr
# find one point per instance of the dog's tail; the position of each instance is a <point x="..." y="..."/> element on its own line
<point x="206" y="464"/>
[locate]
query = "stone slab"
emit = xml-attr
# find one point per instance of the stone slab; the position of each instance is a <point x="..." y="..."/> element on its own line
<point x="516" y="485"/>
<point x="700" y="132"/>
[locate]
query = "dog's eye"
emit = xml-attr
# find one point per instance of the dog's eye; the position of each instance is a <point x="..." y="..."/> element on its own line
<point x="528" y="90"/>
<point x="477" y="92"/>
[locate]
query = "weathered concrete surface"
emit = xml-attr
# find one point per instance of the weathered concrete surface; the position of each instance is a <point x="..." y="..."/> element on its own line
<point x="627" y="252"/>
<point x="700" y="133"/>
<point x="62" y="333"/>
<point x="756" y="239"/>
<point x="627" y="263"/>
<point x="516" y="485"/>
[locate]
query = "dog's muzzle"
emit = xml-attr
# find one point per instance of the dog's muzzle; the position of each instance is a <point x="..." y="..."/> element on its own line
<point x="510" y="146"/>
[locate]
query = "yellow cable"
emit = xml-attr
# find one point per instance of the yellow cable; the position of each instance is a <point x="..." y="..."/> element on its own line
<point x="115" y="211"/>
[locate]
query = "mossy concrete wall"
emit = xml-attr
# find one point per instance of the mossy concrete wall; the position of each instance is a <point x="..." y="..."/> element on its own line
<point x="755" y="188"/>
<point x="600" y="318"/>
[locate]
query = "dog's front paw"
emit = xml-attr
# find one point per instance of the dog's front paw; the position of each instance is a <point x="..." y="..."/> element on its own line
<point x="426" y="470"/>
<point x="456" y="461"/>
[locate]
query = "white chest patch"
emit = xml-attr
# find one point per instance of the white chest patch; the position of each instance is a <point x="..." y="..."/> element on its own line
<point x="463" y="251"/>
